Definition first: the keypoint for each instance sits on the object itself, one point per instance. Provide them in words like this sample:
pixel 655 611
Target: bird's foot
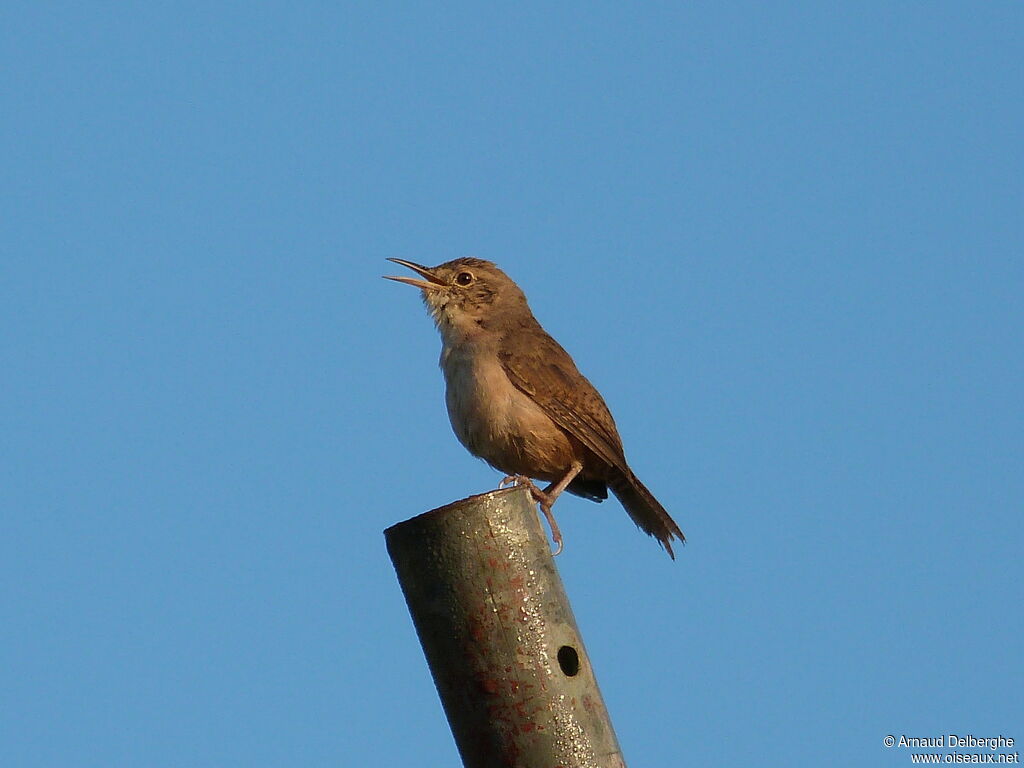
pixel 522 480
pixel 544 499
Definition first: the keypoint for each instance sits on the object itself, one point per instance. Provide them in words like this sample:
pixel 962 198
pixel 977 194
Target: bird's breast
pixel 496 421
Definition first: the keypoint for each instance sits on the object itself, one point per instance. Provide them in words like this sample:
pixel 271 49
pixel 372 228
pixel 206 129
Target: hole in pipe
pixel 569 660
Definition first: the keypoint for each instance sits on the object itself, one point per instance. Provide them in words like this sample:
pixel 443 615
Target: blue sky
pixel 784 240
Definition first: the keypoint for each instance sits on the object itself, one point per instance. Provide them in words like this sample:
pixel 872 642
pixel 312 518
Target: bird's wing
pixel 538 366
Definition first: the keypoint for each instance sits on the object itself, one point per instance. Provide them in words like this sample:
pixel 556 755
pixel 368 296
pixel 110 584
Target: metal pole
pixel 499 636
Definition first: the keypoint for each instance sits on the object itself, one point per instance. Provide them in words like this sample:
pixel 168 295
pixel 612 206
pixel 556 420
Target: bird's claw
pixel 556 535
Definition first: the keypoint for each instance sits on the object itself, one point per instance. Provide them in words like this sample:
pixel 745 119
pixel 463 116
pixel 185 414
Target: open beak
pixel 432 283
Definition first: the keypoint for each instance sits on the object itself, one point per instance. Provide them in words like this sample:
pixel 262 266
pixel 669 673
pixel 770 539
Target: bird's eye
pixel 464 278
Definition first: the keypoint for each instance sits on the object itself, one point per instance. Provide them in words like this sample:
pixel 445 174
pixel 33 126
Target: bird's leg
pixel 547 497
pixel 538 496
pixel 547 501
pixel 554 490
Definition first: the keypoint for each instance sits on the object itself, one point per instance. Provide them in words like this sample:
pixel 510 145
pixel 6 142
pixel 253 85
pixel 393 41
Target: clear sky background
pixel 784 240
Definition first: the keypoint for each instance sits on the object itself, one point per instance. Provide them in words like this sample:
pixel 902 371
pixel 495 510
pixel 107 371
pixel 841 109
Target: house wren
pixel 516 399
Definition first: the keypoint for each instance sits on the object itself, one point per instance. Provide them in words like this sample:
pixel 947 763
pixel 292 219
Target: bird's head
pixel 465 295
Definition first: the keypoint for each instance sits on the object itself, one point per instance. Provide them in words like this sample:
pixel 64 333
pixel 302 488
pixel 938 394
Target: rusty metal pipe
pixel 499 636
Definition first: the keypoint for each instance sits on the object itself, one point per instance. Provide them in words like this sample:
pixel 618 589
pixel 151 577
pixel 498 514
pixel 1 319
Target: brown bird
pixel 516 400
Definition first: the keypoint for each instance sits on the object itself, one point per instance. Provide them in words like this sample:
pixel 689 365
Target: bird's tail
pixel 645 509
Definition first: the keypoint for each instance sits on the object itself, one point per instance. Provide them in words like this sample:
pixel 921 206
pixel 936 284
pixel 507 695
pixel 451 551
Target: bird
pixel 516 399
